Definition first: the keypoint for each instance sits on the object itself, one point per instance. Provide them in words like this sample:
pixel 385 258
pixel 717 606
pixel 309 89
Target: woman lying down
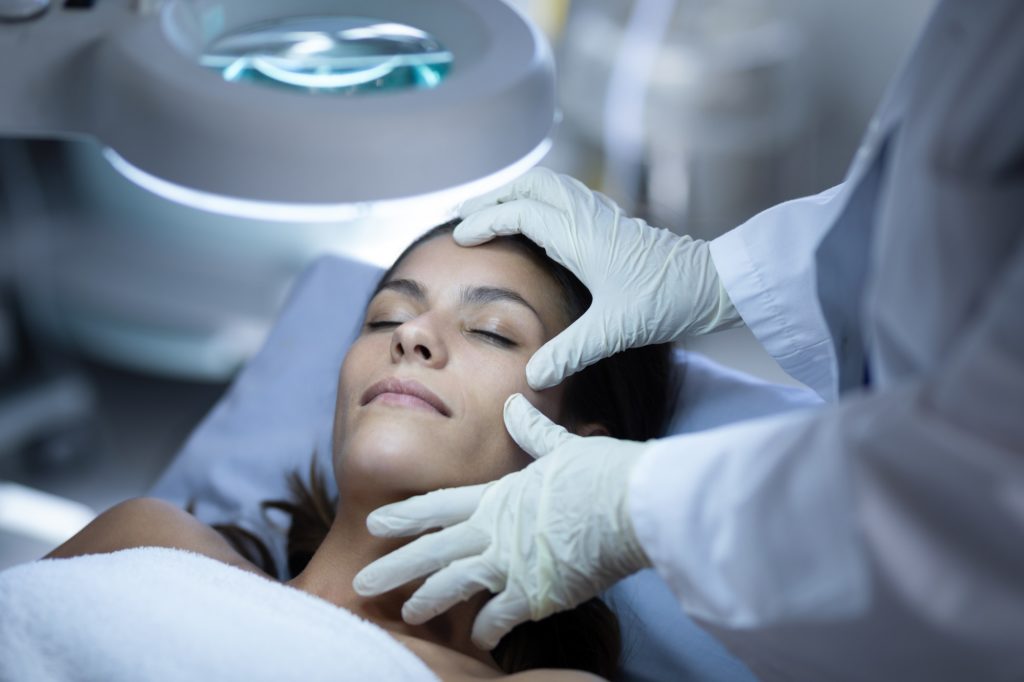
pixel 445 341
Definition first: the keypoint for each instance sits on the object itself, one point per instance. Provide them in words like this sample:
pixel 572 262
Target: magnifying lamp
pixel 295 110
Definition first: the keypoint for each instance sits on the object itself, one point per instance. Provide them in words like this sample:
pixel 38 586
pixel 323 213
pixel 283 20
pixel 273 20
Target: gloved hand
pixel 543 539
pixel 649 285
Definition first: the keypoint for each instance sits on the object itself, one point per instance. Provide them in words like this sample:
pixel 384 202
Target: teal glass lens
pixel 342 55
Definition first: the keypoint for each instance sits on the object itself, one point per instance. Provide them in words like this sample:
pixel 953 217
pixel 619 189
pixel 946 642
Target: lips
pixel 405 387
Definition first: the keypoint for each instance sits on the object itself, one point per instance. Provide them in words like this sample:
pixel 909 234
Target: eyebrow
pixel 485 295
pixel 481 295
pixel 406 287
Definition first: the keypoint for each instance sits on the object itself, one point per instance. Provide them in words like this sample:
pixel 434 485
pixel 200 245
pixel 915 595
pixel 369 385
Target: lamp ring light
pixel 306 110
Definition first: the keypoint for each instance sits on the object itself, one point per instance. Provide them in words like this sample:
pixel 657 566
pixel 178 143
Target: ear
pixel 591 429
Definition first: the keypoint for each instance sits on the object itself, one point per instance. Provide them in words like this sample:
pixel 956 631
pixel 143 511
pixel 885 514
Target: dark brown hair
pixel 632 394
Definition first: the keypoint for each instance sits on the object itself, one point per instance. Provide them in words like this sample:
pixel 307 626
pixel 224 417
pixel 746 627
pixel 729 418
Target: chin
pixel 380 455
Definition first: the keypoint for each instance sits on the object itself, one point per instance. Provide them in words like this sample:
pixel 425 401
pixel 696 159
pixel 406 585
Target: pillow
pixel 279 411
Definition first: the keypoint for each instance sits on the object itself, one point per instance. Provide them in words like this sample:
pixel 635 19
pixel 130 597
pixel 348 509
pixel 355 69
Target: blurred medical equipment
pixel 704 108
pixel 279 411
pixel 45 405
pixel 50 518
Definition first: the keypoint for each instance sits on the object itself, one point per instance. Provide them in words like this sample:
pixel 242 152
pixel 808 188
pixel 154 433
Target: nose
pixel 416 341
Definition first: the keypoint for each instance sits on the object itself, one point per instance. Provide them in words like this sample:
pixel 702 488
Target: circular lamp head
pixel 323 109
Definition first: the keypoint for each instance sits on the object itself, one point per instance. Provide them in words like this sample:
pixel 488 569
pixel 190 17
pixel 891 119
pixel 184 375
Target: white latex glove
pixel 649 285
pixel 543 539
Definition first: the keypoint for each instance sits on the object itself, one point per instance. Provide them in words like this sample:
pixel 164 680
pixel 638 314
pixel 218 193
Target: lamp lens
pixel 327 54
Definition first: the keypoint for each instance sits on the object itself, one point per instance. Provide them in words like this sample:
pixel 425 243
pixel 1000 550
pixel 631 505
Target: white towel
pixel 164 614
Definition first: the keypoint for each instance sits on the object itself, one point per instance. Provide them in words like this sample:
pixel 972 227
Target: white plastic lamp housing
pixel 133 80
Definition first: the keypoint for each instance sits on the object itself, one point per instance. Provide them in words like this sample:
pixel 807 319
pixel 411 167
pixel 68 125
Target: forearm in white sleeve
pixel 766 266
pixel 775 520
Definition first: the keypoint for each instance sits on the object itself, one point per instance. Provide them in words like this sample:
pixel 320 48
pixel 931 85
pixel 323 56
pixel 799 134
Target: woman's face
pixel 443 344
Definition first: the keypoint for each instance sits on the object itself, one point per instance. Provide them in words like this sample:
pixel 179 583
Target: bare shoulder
pixel 555 675
pixel 149 522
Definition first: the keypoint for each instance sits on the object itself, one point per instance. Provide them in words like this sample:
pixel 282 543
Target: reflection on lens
pixel 343 55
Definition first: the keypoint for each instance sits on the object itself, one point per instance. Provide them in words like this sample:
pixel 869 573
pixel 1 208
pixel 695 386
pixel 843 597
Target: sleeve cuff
pixel 767 267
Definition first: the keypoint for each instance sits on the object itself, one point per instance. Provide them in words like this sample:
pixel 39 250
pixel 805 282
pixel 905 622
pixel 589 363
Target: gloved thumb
pixel 437 509
pixel 579 345
pixel 530 429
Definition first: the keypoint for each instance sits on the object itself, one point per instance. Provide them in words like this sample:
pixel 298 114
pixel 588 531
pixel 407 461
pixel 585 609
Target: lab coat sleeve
pixel 767 267
pixel 920 485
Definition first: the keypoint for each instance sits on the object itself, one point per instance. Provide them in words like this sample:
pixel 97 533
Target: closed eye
pixel 491 337
pixel 382 324
pixel 495 338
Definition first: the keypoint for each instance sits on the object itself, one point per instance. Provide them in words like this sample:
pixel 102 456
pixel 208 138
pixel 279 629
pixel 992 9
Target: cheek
pixel 492 388
pixel 509 377
pixel 355 369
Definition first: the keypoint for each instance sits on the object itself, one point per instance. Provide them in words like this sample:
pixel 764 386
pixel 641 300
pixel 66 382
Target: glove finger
pixel 486 200
pixel 530 429
pixel 498 617
pixel 579 345
pixel 456 583
pixel 536 183
pixel 420 557
pixel 437 509
pixel 532 218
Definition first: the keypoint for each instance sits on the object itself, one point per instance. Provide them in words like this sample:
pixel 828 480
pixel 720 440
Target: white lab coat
pixel 880 537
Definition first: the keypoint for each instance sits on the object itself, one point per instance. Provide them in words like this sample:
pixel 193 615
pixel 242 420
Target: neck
pixel 346 550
